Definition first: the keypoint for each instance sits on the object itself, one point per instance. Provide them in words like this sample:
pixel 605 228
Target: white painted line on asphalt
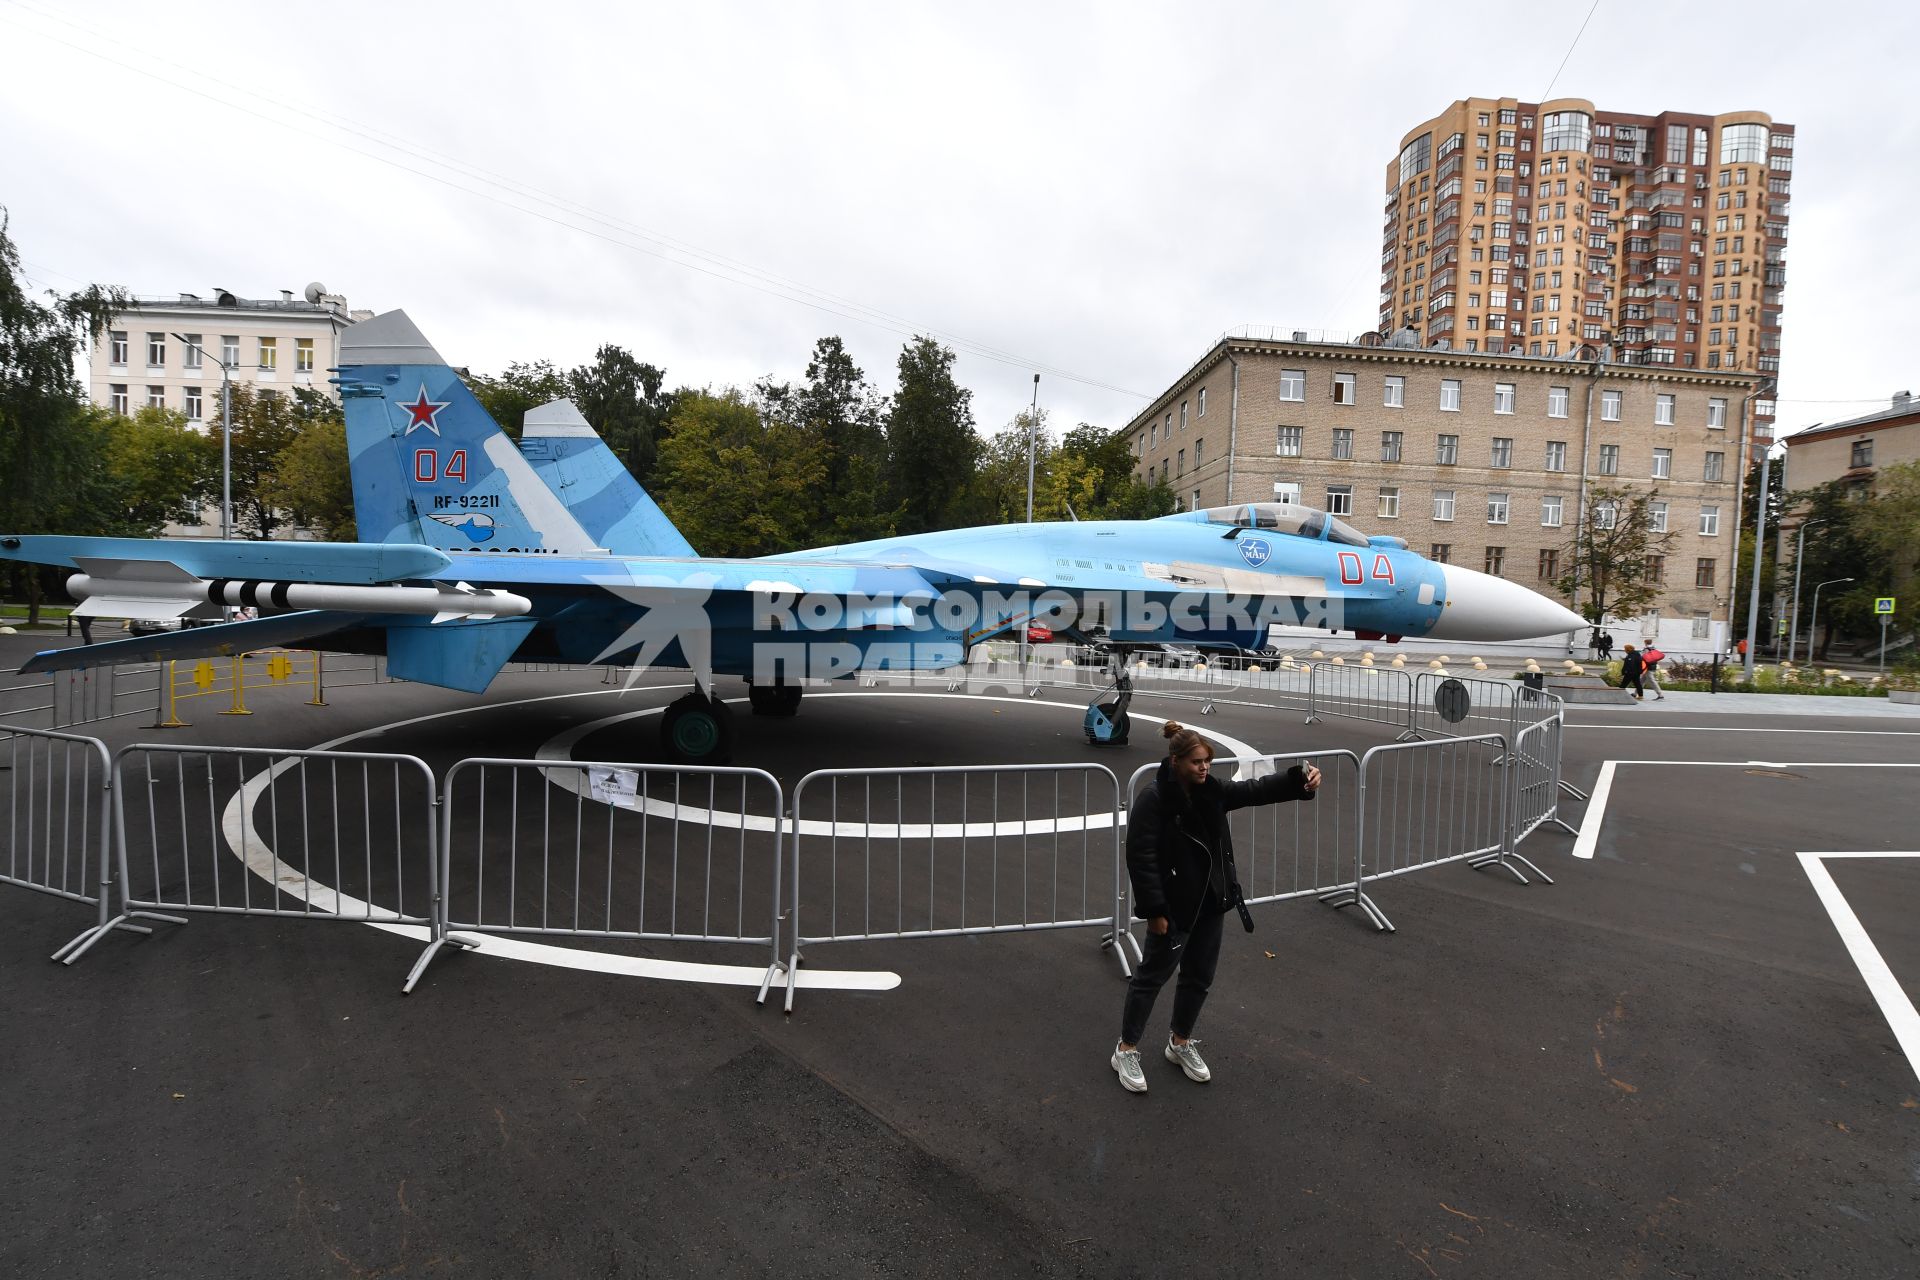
pixel 1596 807
pixel 1709 728
pixel 1589 837
pixel 1886 989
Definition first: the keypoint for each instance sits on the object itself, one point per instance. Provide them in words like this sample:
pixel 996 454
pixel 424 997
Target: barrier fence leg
pixel 1357 895
pixel 239 707
pixel 440 871
pixel 167 713
pixel 774 963
pixel 112 855
pixel 319 680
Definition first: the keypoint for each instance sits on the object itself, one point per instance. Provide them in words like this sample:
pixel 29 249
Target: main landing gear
pixel 697 729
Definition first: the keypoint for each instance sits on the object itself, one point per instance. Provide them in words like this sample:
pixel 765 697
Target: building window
pixel 117 398
pixel 1609 459
pixel 1663 411
pixel 156 351
pixel 1603 514
pixel 1743 144
pixel 1443 504
pixel 269 354
pixel 1339 499
pixel 1180 464
pixel 1502 452
pixel 1662 464
pixel 1496 560
pixel 1556 455
pixel 1287 491
pixel 156 397
pixel 1656 569
pixel 1199 447
pixel 1496 508
pixel 1343 444
pixel 1551 508
pixel 1395 395
pixel 1195 506
pixel 308 343
pixel 1153 435
pixel 1717 412
pixel 1657 517
pixel 192 404
pixel 1862 453
pixel 1556 402
pixel 1709 522
pixel 1609 406
pixel 1289 444
pixel 230 350
pixel 117 346
pixel 1442 553
pixel 1390 446
pixel 1450 394
pixel 1293 384
pixel 303 363
pixel 1446 450
pixel 1343 388
pixel 1390 503
pixel 1703 571
pixel 1503 397
pixel 1702 625
pixel 191 357
pixel 1200 410
pixel 1715 469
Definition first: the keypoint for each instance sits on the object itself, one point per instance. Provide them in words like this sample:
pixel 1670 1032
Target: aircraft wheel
pixel 697 730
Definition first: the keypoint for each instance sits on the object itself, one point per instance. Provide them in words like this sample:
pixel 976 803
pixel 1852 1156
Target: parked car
pixel 1037 634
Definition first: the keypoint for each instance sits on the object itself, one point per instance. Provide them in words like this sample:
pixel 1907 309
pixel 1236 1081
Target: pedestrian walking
pixel 1652 658
pixel 1606 646
pixel 1180 859
pixel 1632 665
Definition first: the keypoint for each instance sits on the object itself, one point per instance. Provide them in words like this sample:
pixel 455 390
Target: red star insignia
pixel 422 411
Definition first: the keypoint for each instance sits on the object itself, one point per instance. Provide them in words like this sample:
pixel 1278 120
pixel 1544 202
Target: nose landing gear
pixel 1106 722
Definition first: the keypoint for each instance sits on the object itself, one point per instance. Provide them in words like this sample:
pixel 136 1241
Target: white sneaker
pixel 1126 1062
pixel 1187 1058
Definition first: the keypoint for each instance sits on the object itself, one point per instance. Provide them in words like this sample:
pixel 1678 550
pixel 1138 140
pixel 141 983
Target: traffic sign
pixel 1883 604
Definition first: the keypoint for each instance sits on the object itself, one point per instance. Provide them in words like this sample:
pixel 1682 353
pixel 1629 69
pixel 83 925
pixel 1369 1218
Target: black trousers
pixel 1194 954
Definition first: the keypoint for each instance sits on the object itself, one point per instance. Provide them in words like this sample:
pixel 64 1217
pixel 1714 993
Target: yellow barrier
pixel 271 668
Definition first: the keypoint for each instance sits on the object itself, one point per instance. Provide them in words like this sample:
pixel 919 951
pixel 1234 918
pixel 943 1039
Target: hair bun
pixel 1171 728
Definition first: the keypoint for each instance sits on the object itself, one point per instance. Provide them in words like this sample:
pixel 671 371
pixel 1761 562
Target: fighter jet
pixel 475 553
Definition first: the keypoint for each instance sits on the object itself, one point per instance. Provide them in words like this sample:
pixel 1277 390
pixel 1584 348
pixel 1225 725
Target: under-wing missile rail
pixel 159 590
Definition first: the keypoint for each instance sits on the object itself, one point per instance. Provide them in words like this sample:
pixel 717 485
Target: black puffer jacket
pixel 1179 845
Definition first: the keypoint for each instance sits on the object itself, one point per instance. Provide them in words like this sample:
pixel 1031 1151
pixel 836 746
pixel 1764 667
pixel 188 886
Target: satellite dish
pixel 315 291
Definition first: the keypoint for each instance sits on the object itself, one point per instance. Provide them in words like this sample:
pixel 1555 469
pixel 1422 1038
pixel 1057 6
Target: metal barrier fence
pixel 67 699
pixel 1427 803
pixel 1282 851
pixel 622 851
pixel 1380 695
pixel 861 870
pixel 347 835
pixel 1534 775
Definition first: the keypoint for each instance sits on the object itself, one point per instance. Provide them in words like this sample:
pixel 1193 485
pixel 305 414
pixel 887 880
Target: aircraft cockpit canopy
pixel 1288 518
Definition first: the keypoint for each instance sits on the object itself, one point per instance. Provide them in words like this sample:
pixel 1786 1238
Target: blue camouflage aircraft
pixel 475 552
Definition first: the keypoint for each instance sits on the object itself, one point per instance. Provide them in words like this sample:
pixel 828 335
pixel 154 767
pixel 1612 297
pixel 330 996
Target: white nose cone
pixel 1482 607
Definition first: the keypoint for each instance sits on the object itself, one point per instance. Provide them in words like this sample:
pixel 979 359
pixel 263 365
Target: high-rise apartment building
pixel 1554 229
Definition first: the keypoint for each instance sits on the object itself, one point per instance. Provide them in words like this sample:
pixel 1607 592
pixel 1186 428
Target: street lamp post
pixel 226 440
pixel 1033 425
pixel 1799 556
pixel 1814 621
pixel 1759 557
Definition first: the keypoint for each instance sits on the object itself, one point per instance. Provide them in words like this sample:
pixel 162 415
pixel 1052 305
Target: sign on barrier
pixel 335 835
pixel 591 849
pixel 1283 851
pixel 942 852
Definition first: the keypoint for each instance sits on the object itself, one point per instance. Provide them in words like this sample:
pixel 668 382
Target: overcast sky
pixel 1093 192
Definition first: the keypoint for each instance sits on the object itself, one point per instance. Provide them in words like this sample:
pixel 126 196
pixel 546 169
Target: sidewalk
pixel 1757 704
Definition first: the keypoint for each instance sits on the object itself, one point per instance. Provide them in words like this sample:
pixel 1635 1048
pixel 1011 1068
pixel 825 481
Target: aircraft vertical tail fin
pixel 429 464
pixel 575 463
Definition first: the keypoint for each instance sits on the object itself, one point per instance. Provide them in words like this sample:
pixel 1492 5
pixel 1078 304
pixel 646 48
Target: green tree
pixel 1608 555
pixel 1889 524
pixel 932 446
pixel 311 478
pixel 264 424
pixel 737 483
pixel 1118 494
pixel 1837 546
pixel 837 407
pixel 621 398
pixel 522 387
pixel 160 471
pixel 44 459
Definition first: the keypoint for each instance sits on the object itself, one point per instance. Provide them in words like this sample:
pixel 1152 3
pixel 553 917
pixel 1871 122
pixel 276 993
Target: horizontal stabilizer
pixel 359 563
pixel 222 641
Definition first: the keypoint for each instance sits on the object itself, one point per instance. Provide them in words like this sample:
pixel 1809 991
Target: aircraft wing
pixel 222 641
